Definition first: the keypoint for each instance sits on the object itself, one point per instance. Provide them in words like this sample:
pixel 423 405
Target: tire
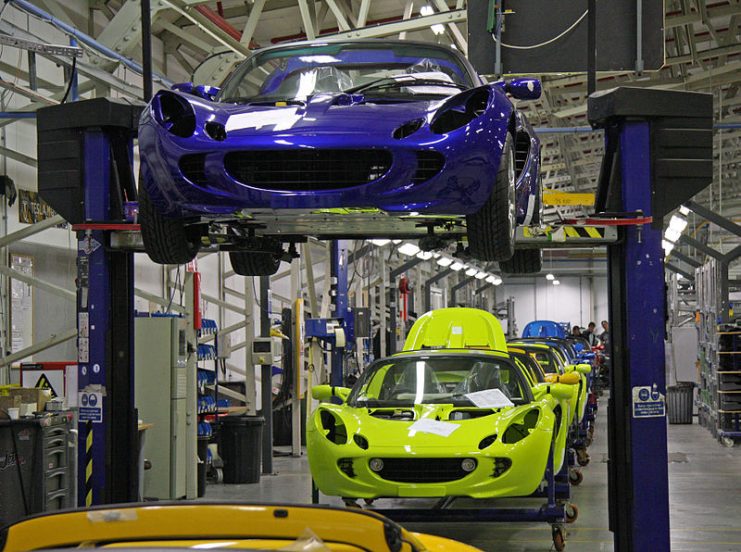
pixel 166 240
pixel 524 261
pixel 249 263
pixel 491 230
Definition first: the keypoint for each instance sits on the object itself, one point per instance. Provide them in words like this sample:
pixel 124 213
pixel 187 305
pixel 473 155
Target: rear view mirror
pixel 562 391
pixel 524 88
pixel 326 392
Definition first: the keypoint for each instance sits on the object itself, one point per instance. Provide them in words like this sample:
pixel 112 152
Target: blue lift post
pixel 338 261
pixel 658 154
pixel 86 174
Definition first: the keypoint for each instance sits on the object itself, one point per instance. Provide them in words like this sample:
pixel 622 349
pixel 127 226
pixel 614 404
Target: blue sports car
pixel 347 139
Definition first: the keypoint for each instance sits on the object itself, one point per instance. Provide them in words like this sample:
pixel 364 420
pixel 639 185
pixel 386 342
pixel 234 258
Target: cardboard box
pixel 32 396
pixel 8 402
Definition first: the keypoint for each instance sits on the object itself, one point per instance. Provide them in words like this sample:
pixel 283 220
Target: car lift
pixel 658 154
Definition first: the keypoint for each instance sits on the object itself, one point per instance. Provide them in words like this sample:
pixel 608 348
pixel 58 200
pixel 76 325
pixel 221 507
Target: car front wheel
pixel 491 230
pixel 254 263
pixel 166 240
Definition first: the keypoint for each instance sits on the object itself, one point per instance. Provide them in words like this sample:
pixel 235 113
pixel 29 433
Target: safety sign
pixel 91 407
pixel 648 402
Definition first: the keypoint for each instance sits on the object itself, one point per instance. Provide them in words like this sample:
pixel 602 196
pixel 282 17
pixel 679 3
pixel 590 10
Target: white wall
pixel 577 300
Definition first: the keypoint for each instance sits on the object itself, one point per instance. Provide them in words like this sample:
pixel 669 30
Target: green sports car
pixel 434 423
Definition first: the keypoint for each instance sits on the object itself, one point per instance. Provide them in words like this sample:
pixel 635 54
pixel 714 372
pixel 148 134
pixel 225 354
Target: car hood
pixel 397 433
pixel 321 114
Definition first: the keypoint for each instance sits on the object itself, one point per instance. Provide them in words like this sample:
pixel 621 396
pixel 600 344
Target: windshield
pixel 378 70
pixel 411 380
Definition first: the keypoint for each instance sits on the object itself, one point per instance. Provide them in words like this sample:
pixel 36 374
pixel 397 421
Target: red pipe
pixel 219 21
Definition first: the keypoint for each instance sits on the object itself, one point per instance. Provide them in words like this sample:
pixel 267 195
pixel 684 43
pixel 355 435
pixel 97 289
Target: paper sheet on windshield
pixel 425 425
pixel 489 398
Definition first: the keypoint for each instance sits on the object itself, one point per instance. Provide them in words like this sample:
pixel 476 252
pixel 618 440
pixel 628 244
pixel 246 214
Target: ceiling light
pixel 396 242
pixel 480 275
pixel 497 280
pixel 678 223
pixel 672 234
pixel 380 243
pixel 491 278
pixel 424 255
pixel 550 277
pixel 471 271
pixel 668 246
pixel 456 266
pixel 684 210
pixel 408 249
pixel 438 29
pixel 426 10
pixel 445 261
pixel 556 283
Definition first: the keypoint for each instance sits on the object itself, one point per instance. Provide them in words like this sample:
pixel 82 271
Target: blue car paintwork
pixel 337 121
pixel 544 328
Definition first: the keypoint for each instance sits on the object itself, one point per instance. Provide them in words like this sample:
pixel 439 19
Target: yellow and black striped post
pixel 89 464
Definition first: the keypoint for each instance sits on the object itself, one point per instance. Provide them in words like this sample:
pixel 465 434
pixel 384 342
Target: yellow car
pixel 221 526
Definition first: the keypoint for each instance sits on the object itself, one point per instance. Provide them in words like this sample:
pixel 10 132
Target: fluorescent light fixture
pixel 424 255
pixel 427 10
pixel 497 280
pixel 445 261
pixel 438 29
pixel 684 210
pixel 556 283
pixel 380 243
pixel 678 223
pixel 456 266
pixel 668 246
pixel 672 234
pixel 396 242
pixel 491 278
pixel 480 275
pixel 471 271
pixel 408 249
pixel 550 277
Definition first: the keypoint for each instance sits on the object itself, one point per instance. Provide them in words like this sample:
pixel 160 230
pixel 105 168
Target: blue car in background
pixel 346 139
pixel 545 328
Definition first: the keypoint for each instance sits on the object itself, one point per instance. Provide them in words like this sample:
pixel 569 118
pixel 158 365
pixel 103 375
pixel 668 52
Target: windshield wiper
pixel 405 80
pixel 257 100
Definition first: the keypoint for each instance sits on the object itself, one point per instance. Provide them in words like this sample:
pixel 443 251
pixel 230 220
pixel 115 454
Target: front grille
pixel 309 169
pixel 422 470
pixel 194 168
pixel 429 163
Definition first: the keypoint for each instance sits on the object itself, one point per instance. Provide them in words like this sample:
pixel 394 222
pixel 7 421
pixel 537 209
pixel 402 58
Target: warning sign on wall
pixel 648 402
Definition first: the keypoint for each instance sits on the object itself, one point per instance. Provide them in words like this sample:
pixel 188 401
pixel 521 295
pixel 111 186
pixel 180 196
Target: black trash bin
pixel 679 402
pixel 241 448
pixel 202 464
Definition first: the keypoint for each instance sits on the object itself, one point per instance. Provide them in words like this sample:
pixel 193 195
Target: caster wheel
pixel 571 512
pixel 575 477
pixel 727 442
pixel 351 503
pixel 369 501
pixel 582 457
pixel 559 539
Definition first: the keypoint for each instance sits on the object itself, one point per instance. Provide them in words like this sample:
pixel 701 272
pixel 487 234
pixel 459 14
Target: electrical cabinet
pixel 161 398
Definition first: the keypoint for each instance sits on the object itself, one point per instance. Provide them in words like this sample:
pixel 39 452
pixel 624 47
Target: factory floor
pixel 704 486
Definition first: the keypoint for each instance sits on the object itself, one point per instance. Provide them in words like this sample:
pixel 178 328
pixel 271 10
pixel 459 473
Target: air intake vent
pixel 307 170
pixel 429 163
pixel 194 168
pixel 422 470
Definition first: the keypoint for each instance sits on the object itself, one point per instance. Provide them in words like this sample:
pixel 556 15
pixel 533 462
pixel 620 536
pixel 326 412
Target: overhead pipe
pixel 27 7
pixel 219 21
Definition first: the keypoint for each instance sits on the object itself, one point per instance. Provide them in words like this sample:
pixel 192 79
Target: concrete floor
pixel 705 498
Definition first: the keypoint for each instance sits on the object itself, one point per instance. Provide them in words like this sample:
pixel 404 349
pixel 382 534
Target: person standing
pixel 604 337
pixel 589 334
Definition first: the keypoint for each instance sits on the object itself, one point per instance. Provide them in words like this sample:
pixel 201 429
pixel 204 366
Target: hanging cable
pixel 72 76
pixel 550 41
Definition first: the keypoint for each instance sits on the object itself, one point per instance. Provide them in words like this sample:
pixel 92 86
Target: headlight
pixel 468 465
pixel 375 464
pixel 408 128
pixel 518 430
pixel 174 113
pixel 332 424
pixel 460 110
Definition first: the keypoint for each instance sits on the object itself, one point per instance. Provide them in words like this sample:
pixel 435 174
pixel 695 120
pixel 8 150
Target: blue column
pixel 644 304
pixel 94 316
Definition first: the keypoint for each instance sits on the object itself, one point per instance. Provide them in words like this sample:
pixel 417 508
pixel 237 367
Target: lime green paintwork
pixel 456 328
pixel 393 439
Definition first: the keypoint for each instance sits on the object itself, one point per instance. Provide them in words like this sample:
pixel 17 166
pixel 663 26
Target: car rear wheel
pixel 166 240
pixel 524 261
pixel 250 263
pixel 491 230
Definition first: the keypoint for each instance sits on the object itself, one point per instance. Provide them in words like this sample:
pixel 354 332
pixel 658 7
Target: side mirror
pixel 562 391
pixel 569 378
pixel 326 392
pixel 584 368
pixel 202 90
pixel 524 88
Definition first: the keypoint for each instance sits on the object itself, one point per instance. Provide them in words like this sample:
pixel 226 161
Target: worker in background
pixel 590 335
pixel 604 337
pixel 576 331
